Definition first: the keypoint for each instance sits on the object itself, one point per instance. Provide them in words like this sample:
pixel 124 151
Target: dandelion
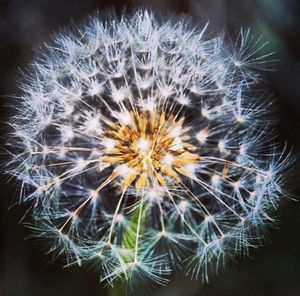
pixel 143 147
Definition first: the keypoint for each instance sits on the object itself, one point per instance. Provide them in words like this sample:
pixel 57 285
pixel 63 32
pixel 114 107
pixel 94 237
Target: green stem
pixel 135 230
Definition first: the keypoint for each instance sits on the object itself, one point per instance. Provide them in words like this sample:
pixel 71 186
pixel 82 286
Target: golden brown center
pixel 152 147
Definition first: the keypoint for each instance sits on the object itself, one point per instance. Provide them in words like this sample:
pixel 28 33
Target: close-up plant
pixel 144 146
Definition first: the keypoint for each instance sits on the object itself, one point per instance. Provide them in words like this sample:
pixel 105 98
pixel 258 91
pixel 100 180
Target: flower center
pixel 151 149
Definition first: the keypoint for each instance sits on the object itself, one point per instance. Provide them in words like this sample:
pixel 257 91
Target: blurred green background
pixel 274 269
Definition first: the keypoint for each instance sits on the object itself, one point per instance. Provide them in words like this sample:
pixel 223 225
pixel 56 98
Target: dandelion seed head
pixel 183 205
pixel 142 149
pixel 215 180
pixel 202 136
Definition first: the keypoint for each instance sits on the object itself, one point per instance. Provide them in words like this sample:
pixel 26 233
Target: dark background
pixel 274 269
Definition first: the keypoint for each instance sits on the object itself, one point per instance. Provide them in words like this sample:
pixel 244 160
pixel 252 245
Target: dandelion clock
pixel 143 147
